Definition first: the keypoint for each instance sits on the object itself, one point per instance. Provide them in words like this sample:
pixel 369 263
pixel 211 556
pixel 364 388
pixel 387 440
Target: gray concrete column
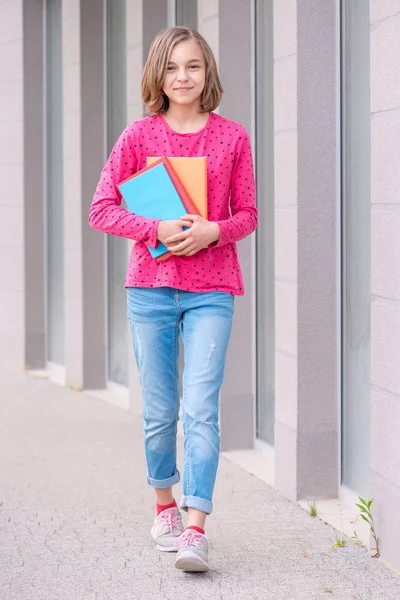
pixel 84 126
pixel 12 217
pixel 307 404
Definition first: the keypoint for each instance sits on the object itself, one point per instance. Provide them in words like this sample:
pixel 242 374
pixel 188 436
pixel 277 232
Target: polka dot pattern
pixel 231 203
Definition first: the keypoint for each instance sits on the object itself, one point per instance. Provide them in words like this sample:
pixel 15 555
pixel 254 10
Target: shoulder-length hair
pixel 156 68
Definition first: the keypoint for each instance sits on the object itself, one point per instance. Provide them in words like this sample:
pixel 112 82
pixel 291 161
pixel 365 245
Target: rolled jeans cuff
pixel 162 484
pixel 197 503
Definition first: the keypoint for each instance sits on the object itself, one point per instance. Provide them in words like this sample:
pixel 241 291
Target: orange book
pixel 193 174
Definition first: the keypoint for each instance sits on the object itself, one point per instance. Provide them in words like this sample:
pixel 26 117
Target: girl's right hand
pixel 167 229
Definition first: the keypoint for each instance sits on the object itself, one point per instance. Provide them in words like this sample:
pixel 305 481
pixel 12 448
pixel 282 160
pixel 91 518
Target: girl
pixel 193 291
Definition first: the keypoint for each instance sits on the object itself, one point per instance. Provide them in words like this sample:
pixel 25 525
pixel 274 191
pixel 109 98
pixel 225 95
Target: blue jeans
pixel 156 317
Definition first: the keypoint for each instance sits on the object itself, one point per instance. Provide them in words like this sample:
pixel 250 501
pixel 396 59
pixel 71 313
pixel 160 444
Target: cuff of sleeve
pixel 222 234
pixel 153 242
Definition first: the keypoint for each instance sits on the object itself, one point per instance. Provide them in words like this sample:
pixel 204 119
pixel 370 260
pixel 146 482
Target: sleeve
pixel 244 215
pixel 106 213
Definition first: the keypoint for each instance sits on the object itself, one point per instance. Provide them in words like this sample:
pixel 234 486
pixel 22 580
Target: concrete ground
pixel 75 516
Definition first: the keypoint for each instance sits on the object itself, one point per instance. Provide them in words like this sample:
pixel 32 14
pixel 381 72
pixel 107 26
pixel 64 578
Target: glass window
pixel 182 12
pixel 117 248
pixel 264 138
pixel 186 13
pixel 356 298
pixel 171 13
pixel 54 173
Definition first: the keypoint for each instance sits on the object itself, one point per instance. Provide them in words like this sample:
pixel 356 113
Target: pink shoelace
pixel 172 520
pixel 190 537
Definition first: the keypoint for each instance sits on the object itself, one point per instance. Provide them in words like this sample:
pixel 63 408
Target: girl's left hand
pixel 200 234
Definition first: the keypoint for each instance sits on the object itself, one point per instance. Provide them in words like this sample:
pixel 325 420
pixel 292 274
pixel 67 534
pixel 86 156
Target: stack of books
pixel 166 189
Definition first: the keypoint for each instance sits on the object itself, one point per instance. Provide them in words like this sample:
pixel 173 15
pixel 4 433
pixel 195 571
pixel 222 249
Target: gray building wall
pixel 385 276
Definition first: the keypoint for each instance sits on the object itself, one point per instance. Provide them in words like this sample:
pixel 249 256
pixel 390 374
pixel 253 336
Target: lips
pixel 183 89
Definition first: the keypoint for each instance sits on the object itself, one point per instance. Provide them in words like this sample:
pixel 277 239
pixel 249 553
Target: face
pixel 186 72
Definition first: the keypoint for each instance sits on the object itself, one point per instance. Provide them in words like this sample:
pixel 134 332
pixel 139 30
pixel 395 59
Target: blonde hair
pixel 156 68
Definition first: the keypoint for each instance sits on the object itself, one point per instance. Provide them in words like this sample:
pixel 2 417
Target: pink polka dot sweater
pixel 231 203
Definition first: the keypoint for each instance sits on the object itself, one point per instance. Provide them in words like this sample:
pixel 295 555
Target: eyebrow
pixel 192 60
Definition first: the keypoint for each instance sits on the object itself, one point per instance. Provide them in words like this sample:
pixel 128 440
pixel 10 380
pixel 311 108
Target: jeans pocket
pixel 140 299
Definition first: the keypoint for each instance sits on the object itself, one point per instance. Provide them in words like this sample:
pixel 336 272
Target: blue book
pixel 156 192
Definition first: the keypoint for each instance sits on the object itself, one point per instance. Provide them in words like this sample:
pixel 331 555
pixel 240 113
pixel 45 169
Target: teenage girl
pixel 193 291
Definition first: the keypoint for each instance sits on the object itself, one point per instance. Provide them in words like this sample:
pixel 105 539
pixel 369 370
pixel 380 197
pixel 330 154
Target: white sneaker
pixel 192 551
pixel 167 528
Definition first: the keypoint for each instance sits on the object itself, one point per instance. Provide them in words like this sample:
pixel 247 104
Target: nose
pixel 182 74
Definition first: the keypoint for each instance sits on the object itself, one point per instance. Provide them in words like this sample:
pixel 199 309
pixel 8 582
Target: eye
pixel 194 67
pixel 170 68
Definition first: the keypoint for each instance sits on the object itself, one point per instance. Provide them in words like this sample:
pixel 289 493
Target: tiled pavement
pixel 76 512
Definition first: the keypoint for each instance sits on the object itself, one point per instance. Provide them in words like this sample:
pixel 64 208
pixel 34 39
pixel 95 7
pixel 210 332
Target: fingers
pixel 178 237
pixel 183 222
pixel 192 218
pixel 186 247
pixel 190 251
pixel 182 247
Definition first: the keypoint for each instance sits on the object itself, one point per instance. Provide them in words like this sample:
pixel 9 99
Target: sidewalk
pixel 75 517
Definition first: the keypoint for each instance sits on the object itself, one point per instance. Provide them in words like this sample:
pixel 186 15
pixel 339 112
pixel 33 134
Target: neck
pixel 186 118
